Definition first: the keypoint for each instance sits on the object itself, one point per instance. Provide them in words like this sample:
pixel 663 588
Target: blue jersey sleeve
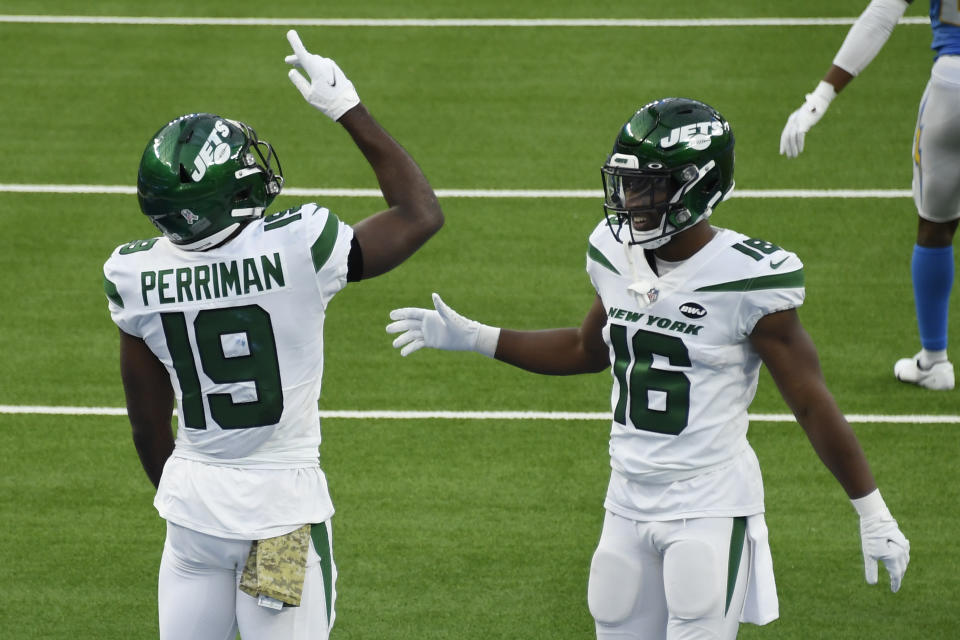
pixel 945 22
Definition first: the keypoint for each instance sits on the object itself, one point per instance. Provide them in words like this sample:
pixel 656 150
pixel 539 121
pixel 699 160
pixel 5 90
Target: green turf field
pixel 462 529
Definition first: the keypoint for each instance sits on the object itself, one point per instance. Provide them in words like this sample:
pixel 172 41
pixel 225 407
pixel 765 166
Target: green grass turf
pixel 491 108
pixel 460 529
pixel 463 529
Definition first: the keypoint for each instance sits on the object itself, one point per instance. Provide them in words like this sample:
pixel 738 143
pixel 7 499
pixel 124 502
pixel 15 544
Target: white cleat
pixel 938 377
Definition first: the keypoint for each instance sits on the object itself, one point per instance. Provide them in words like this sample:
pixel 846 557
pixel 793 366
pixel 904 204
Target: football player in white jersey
pixel 685 313
pixel 936 168
pixel 222 316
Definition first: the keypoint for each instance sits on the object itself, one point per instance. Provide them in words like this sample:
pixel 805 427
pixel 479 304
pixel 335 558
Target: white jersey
pixel 239 329
pixel 684 372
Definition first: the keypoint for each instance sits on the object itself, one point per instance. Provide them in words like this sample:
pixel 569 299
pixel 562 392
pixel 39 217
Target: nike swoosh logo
pixel 776 265
pixel 334 83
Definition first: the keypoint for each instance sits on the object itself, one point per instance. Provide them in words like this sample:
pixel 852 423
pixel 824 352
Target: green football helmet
pixel 671 164
pixel 201 176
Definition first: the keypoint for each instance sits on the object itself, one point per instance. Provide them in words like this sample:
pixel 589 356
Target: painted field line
pixel 486 415
pixel 445 22
pixel 591 194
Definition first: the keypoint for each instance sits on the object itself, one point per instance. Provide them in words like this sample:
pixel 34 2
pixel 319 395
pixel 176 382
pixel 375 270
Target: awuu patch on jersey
pixel 697 135
pixel 692 310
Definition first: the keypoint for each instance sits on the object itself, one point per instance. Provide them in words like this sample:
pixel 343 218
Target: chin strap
pixel 248 212
pixel 211 240
pixel 658 236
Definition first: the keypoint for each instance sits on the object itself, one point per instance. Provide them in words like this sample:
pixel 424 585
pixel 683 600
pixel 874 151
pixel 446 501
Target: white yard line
pixel 486 415
pixel 444 22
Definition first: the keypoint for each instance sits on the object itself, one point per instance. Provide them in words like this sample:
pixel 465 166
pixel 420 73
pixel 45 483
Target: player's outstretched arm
pixel 863 42
pixel 790 356
pixel 551 351
pixel 149 404
pixel 413 215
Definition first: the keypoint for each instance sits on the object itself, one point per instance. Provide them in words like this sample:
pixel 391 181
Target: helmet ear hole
pixel 184 176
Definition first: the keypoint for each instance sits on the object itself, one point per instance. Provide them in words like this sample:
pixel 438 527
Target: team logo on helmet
pixel 698 135
pixel 214 151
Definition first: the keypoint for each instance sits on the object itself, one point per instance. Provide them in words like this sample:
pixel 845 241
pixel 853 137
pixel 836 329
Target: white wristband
pixel 870 505
pixel 825 91
pixel 487 339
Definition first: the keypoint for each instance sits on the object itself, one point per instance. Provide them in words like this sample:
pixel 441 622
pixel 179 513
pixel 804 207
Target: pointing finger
pixel 294 39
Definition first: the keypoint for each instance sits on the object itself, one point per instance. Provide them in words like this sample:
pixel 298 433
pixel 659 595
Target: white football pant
pixel 199 595
pixel 936 148
pixel 674 580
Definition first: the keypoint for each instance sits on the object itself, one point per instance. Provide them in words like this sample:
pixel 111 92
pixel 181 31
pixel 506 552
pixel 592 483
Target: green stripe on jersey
pixel 323 246
pixel 111 290
pixel 790 280
pixel 281 221
pixel 737 536
pixel 321 544
pixel 594 254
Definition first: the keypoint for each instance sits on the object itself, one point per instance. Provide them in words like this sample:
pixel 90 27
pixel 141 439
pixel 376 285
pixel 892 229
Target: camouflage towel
pixel 277 566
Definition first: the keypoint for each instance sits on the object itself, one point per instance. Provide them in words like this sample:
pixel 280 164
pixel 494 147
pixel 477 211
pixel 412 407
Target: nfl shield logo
pixel 189 216
pixel 645 292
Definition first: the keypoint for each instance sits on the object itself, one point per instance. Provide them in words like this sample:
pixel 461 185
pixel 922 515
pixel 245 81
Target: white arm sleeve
pixel 868 34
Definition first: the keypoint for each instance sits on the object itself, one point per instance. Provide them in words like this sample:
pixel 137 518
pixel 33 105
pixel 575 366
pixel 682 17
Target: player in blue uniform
pixel 936 168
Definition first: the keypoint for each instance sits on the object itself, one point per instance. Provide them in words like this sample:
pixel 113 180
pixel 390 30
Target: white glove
pixel 881 540
pixel 441 329
pixel 328 89
pixel 803 119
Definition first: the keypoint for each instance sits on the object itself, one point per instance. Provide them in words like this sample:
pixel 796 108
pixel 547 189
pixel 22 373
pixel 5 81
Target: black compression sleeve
pixel 354 261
